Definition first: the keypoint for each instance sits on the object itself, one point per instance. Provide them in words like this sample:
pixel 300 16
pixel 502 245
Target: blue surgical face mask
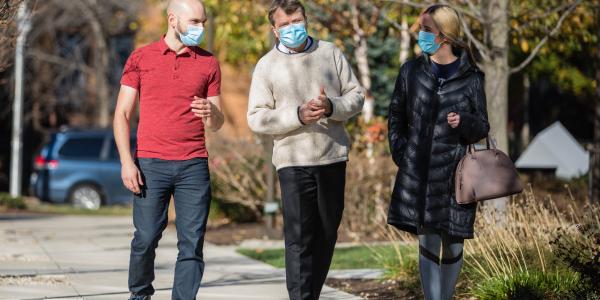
pixel 193 36
pixel 427 42
pixel 293 36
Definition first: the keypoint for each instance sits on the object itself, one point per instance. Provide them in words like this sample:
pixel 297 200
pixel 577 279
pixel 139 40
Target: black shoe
pixel 139 297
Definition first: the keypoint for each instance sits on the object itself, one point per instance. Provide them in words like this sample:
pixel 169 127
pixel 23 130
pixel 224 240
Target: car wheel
pixel 86 197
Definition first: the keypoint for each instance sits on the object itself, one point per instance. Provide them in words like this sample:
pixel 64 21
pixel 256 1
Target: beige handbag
pixel 484 175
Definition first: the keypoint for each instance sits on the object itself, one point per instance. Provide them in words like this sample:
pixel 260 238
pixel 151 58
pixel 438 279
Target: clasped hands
pixel 315 109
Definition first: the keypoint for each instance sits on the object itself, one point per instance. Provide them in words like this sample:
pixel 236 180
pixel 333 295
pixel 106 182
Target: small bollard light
pixel 270 209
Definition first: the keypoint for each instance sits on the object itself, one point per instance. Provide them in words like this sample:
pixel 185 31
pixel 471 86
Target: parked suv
pixel 80 167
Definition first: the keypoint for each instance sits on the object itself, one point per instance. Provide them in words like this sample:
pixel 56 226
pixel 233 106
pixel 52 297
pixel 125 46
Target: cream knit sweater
pixel 282 82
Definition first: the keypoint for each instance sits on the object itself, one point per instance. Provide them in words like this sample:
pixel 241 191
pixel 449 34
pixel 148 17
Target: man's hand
pixel 310 113
pixel 202 108
pixel 132 177
pixel 316 109
pixel 325 102
pixel 322 102
pixel 453 119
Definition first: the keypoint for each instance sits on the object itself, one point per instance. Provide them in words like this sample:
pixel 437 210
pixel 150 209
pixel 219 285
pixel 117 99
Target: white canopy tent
pixel 555 148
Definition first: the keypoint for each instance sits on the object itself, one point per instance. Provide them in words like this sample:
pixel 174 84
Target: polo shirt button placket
pixel 175 68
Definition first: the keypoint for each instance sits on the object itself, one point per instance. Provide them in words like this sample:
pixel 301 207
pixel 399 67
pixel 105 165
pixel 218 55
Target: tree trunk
pixel 404 41
pixel 525 131
pixel 595 171
pixel 102 89
pixel 497 73
pixel 101 61
pixel 364 71
pixel 361 51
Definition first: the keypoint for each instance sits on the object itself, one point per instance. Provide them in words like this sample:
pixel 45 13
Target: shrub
pixel 239 175
pixel 239 171
pixel 369 180
pixel 7 201
pixel 527 285
pixel 579 248
pixel 516 257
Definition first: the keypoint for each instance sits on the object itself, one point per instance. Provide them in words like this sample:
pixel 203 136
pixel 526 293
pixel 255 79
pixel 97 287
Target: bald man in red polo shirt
pixel 178 85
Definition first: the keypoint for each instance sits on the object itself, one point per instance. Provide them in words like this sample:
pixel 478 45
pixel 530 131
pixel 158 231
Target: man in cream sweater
pixel 302 93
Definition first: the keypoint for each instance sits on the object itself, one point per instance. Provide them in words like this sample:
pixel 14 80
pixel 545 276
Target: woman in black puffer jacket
pixel 437 109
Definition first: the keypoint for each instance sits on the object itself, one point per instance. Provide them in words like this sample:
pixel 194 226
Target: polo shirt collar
pixel 164 48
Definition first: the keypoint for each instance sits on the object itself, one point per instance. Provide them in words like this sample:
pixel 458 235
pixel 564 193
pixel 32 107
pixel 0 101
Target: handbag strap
pixel 489 143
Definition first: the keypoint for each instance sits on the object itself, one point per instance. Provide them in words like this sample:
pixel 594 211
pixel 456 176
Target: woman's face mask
pixel 427 42
pixel 293 35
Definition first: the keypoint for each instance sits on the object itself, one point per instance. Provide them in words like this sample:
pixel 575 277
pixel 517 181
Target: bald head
pixel 184 12
pixel 183 6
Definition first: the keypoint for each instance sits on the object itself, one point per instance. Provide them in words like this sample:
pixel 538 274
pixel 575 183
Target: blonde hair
pixel 448 22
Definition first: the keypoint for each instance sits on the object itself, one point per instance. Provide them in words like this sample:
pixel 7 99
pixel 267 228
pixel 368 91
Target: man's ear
pixel 275 32
pixel 171 20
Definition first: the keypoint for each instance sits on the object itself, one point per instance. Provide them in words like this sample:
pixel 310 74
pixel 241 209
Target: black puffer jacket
pixel 427 150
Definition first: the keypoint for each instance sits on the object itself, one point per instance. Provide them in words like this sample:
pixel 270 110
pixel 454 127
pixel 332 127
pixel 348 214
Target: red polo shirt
pixel 167 84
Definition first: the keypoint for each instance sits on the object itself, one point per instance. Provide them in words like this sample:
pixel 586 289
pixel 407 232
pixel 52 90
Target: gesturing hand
pixel 202 108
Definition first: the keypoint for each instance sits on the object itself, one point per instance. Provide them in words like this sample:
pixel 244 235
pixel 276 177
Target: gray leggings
pixel 439 276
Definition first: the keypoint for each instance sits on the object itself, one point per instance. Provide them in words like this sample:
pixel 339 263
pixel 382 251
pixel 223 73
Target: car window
pixel 84 147
pixel 114 152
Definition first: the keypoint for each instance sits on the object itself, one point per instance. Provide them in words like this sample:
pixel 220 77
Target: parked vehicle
pixel 80 167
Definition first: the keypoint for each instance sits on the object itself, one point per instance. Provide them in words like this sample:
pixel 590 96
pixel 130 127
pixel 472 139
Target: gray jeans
pixel 189 183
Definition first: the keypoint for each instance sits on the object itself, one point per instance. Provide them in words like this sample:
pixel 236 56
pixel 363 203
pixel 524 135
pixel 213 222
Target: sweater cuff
pixel 337 109
pixel 298 115
pixel 332 108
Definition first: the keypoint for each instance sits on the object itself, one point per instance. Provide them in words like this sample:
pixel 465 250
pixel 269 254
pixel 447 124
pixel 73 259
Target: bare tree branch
pixel 467 12
pixel 410 3
pixel 481 48
pixel 66 64
pixel 472 7
pixel 393 22
pixel 8 31
pixel 547 13
pixel 544 40
pixel 69 51
pixel 484 51
pixel 474 14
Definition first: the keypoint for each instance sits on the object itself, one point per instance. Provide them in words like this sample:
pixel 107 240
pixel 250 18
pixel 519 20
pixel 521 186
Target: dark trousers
pixel 313 203
pixel 189 183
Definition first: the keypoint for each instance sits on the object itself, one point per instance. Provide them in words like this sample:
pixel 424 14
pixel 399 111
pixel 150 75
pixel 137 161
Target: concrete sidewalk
pixel 72 257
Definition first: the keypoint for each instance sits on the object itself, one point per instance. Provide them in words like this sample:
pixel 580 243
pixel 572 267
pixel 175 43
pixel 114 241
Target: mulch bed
pixel 235 233
pixel 373 289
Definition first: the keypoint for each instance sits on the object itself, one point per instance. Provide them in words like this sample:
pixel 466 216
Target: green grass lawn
pixel 359 257
pixel 33 205
pixel 66 209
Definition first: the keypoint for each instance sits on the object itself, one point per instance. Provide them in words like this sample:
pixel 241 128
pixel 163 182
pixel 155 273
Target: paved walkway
pixel 72 257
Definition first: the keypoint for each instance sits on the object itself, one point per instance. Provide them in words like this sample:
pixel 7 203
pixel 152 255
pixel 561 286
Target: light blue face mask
pixel 427 42
pixel 193 36
pixel 293 36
